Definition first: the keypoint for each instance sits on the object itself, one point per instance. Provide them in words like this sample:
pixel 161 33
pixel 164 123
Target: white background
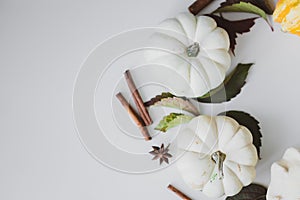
pixel 42 46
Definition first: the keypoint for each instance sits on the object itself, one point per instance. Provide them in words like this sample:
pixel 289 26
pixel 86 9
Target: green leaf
pixel 244 7
pixel 230 88
pixel 250 192
pixel 266 5
pixel 172 120
pixel 251 123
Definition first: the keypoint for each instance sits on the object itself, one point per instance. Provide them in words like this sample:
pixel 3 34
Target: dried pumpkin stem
pixel 193 50
pixel 218 157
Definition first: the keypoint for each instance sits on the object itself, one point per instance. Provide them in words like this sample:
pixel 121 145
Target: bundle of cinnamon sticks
pixel 142 117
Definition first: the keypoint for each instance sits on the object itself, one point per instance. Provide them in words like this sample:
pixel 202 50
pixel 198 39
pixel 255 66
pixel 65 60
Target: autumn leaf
pixel 251 123
pixel 169 100
pixel 172 120
pixel 234 27
pixel 267 6
pixel 158 98
pixel 230 87
pixel 250 192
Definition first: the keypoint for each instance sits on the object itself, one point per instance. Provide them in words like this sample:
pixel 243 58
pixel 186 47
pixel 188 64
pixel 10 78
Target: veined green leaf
pixel 230 88
pixel 266 5
pixel 244 7
pixel 172 120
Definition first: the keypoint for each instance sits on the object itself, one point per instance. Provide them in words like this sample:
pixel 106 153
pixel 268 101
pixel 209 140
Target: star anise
pixel 161 153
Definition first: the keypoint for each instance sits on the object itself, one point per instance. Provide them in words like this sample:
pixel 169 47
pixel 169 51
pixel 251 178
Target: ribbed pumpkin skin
pixel 205 135
pixel 287 13
pixel 285 176
pixel 202 72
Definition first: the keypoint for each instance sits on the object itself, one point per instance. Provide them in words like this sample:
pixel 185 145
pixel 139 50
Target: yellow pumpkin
pixel 287 13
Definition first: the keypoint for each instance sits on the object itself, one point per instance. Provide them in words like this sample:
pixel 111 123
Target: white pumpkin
pixel 285 177
pixel 218 155
pixel 196 48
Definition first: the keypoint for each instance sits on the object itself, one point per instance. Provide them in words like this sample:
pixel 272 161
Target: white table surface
pixel 42 46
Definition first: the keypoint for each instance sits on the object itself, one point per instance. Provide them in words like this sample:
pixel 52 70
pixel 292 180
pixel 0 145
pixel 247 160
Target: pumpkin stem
pixel 218 157
pixel 193 50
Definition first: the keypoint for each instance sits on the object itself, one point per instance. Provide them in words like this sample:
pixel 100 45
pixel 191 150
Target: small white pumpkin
pixel 196 48
pixel 285 177
pixel 218 155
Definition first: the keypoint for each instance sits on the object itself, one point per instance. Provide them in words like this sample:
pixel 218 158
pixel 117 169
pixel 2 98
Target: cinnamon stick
pixel 198 5
pixel 134 116
pixel 178 192
pixel 137 99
